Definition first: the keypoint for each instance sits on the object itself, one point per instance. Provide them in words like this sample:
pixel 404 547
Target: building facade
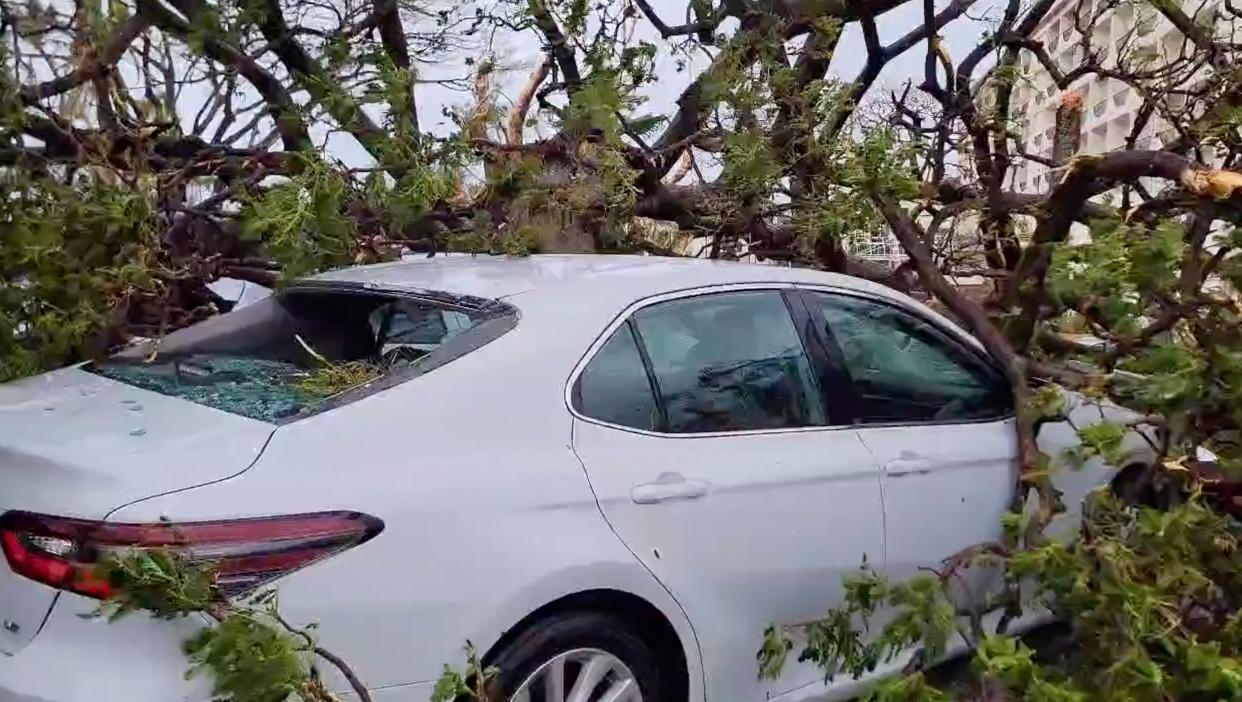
pixel 1133 30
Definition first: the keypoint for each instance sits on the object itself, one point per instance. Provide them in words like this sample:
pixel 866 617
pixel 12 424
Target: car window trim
pixel 977 357
pixel 626 314
pixel 837 394
pixel 653 383
pixel 471 304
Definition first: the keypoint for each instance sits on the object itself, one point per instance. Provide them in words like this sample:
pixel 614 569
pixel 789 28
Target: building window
pixel 1069 59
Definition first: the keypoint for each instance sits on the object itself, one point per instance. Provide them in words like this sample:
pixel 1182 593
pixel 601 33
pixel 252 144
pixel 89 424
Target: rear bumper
pixel 79 659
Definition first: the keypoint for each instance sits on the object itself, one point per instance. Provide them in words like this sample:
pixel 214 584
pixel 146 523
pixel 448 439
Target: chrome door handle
pixel 666 488
pixel 908 466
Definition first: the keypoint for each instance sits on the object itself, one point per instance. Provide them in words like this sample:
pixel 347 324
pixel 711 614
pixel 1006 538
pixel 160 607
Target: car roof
pixel 495 277
pixel 592 287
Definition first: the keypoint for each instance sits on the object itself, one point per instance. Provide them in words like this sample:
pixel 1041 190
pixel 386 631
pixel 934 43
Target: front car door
pixel 718 459
pixel 938 418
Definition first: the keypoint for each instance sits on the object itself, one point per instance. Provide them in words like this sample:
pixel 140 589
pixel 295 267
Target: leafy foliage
pixel 251 661
pixel 1151 597
pixel 843 641
pixel 303 220
pixel 75 260
pixel 250 653
pixel 473 683
pixel 157 582
pixel 329 378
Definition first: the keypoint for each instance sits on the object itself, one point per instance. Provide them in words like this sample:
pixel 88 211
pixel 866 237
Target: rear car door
pixel 719 461
pixel 938 418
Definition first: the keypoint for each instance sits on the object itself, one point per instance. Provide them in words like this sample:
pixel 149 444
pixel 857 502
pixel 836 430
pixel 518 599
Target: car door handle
pixel 666 488
pixel 908 466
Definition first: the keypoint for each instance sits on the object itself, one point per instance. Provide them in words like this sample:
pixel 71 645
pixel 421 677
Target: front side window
pixel 902 369
pixel 729 362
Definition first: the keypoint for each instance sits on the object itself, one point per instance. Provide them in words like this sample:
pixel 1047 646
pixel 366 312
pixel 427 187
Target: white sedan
pixel 609 473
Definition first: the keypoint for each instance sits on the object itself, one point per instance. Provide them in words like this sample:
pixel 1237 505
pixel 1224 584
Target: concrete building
pixel 1135 30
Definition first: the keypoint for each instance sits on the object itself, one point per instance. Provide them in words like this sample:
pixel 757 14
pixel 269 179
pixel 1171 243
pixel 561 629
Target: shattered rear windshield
pixel 281 357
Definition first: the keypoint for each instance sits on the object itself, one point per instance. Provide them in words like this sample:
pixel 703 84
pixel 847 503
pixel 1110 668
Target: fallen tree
pixel 150 148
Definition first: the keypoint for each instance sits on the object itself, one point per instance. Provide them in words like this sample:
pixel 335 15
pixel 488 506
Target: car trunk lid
pixel 76 444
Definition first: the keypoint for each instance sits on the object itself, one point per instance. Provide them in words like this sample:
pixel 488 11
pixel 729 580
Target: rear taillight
pixel 244 553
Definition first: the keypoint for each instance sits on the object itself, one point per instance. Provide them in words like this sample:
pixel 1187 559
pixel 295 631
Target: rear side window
pixel 303 351
pixel 711 363
pixel 903 369
pixel 614 386
pixel 729 362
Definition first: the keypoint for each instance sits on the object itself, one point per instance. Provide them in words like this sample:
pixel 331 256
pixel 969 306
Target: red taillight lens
pixel 245 553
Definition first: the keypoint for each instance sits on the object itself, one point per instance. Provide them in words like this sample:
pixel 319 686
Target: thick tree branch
pixel 558 45
pixel 392 35
pixel 1196 34
pixel 521 105
pixel 1086 176
pixel 93 66
pixel 699 27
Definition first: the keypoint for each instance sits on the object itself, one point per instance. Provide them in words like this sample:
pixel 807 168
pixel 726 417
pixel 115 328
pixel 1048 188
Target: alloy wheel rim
pixel 580 675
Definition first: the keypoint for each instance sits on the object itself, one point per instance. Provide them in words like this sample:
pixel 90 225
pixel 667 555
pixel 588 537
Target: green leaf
pixel 773 652
pixel 1105 440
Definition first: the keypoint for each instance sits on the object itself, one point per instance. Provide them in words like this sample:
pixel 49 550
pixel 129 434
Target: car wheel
pixel 577 657
pixel 1133 486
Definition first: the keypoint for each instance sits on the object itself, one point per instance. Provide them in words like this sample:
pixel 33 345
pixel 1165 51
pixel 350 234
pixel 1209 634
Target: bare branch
pixel 280 105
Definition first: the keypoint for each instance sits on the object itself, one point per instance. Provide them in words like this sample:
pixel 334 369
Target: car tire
pixel 1132 485
pixel 574 644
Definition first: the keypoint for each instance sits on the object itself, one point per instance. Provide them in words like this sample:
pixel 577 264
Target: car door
pixel 938 418
pixel 702 425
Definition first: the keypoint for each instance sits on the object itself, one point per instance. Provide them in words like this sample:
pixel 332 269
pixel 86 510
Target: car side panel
pixel 488 514
pixel 1076 484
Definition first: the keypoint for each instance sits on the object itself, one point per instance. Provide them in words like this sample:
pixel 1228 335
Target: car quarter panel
pixel 488 514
